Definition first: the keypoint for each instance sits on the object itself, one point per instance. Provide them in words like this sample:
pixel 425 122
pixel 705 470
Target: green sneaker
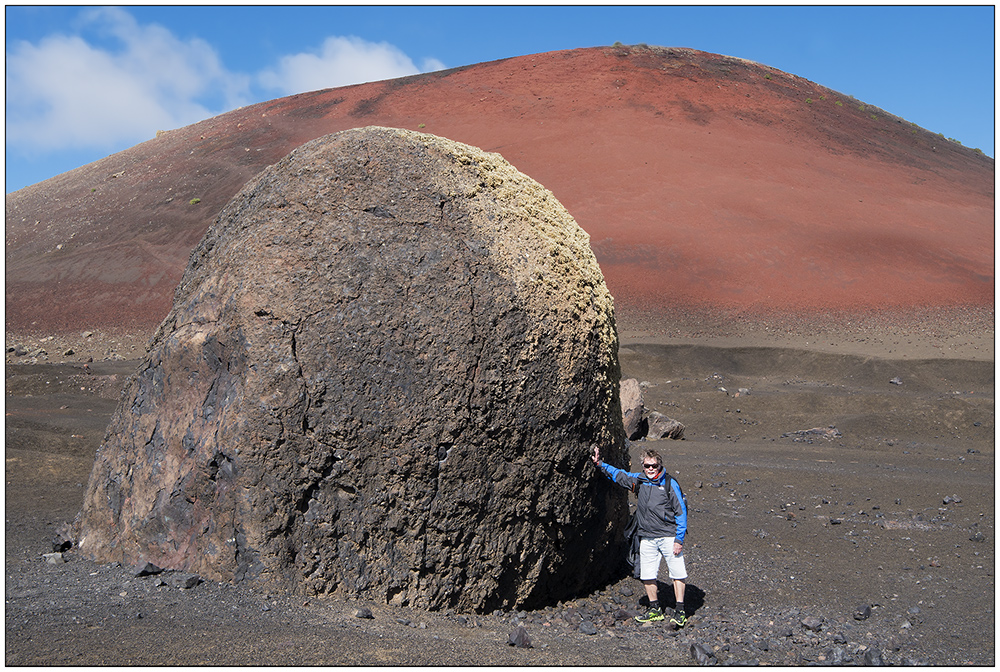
pixel 679 619
pixel 651 615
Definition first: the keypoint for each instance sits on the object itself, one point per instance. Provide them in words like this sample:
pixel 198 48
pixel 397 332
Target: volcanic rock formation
pixel 384 367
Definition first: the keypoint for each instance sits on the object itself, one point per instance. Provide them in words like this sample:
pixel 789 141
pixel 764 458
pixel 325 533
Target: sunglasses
pixel 650 466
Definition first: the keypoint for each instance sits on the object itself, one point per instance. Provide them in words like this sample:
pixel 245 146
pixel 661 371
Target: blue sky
pixel 85 82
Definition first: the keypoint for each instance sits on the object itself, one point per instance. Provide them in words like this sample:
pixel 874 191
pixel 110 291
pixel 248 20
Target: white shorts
pixel 650 552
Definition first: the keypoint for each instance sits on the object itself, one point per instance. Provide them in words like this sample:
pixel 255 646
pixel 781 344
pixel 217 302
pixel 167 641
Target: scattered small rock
pixel 587 628
pixel 61 545
pixel 863 612
pixel 910 661
pixel 621 614
pixel 519 638
pixel 873 657
pixel 184 581
pixel 146 569
pixel 63 539
pixel 363 612
pixel 896 381
pixel 812 623
pixel 54 558
pixel 702 654
pixel 836 656
pixel 952 499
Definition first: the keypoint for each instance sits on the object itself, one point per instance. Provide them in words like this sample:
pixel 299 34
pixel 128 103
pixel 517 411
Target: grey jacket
pixel 662 511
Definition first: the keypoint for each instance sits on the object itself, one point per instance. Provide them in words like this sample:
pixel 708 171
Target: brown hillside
pixel 704 181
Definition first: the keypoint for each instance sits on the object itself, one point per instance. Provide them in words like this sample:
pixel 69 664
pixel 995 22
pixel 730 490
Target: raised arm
pixel 620 476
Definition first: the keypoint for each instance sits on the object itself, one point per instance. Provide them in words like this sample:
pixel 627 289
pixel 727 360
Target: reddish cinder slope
pixel 704 181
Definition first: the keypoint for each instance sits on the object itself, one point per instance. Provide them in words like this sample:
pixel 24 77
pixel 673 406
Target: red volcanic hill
pixel 704 181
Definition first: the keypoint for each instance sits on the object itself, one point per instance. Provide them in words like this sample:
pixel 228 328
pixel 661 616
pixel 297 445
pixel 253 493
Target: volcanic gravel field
pixel 896 514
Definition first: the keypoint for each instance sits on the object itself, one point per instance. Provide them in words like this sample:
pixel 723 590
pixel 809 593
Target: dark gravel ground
pixel 874 546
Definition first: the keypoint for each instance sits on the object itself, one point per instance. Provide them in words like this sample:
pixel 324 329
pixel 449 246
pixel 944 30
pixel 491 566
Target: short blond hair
pixel 649 452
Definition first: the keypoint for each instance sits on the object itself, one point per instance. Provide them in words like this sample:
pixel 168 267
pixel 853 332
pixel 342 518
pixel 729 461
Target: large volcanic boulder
pixel 384 367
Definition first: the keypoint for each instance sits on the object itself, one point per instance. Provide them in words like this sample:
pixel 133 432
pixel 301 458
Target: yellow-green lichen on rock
pixel 542 246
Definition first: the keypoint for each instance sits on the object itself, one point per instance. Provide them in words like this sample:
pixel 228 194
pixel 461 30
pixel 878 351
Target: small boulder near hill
pixel 633 409
pixel 381 375
pixel 642 425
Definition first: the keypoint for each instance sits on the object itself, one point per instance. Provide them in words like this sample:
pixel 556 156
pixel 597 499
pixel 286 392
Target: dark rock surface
pixel 380 377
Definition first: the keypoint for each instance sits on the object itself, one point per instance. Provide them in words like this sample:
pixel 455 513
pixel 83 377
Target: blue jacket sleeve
pixel 620 476
pixel 680 514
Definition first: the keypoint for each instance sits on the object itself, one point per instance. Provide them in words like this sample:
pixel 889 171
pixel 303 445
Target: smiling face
pixel 651 464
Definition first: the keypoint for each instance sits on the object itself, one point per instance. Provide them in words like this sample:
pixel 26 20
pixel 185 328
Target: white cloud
pixel 341 61
pixel 432 65
pixel 117 82
pixel 64 92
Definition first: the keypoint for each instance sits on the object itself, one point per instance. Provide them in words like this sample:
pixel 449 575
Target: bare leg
pixel 650 589
pixel 679 586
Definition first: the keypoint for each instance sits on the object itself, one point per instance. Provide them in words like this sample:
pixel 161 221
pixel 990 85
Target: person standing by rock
pixel 662 524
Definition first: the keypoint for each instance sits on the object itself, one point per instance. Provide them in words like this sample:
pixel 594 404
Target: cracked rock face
pixel 383 370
